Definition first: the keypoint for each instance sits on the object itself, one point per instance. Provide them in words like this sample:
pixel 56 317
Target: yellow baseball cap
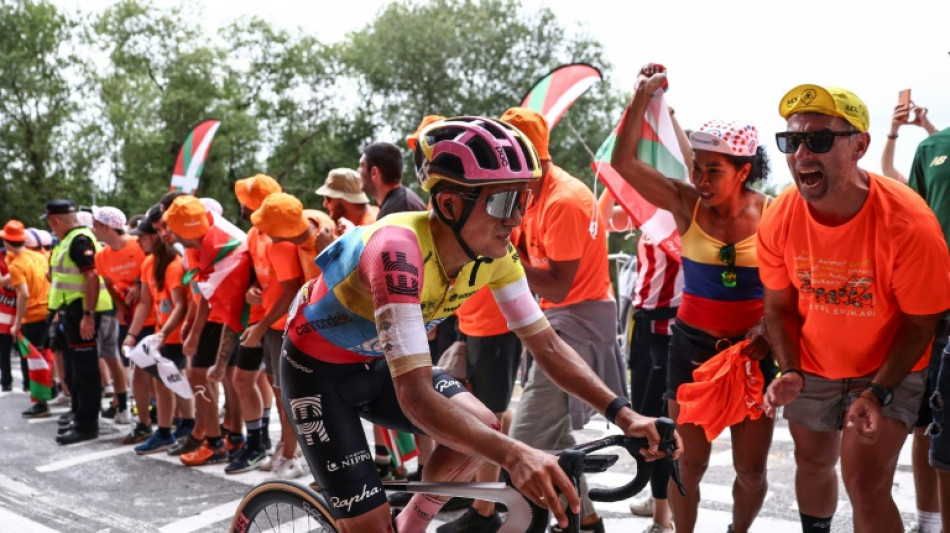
pixel 281 216
pixel 833 101
pixel 252 191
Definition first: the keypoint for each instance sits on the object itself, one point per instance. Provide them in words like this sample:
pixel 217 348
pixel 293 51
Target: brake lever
pixel 665 426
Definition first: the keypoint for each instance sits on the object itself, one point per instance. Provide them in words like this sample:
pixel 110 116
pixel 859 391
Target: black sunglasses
pixel 727 254
pixel 817 142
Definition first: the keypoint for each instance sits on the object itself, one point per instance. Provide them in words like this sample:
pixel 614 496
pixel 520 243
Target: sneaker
pixel 234 445
pixel 272 463
pixel 472 522
pixel 60 400
pixel 185 445
pixel 642 506
pixel 138 434
pixel 596 527
pixel 206 455
pixel 109 413
pixel 66 419
pixel 7 388
pixel 37 410
pixel 108 391
pixel 123 417
pixel 182 432
pixel 246 461
pixel 289 469
pixel 155 444
pixel 657 528
pixel 914 527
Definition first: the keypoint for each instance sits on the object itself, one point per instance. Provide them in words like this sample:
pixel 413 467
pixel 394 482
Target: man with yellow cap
pixel 856 275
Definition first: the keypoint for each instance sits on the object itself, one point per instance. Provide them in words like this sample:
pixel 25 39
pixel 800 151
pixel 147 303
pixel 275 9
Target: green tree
pixel 41 139
pixel 452 57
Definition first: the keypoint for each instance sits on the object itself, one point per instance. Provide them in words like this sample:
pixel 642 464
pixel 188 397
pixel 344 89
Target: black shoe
pixel 66 419
pixel 37 410
pixel 65 429
pixel 472 522
pixel 7 388
pixel 109 413
pixel 73 436
pixel 457 504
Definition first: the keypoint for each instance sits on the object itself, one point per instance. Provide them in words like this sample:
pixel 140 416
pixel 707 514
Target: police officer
pixel 78 296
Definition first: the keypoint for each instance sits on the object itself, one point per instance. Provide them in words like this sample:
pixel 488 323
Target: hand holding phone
pixel 903 98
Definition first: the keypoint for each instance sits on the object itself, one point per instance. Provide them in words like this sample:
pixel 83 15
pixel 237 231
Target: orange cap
pixel 281 216
pixel 414 137
pixel 533 125
pixel 187 217
pixel 252 191
pixel 13 231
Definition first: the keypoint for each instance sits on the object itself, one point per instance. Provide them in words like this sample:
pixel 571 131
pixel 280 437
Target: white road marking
pixel 14 522
pixel 80 459
pixel 203 519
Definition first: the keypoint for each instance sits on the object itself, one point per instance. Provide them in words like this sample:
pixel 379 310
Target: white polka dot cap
pixel 726 137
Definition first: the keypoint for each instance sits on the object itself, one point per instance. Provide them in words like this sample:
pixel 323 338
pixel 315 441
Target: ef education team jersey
pixel 383 288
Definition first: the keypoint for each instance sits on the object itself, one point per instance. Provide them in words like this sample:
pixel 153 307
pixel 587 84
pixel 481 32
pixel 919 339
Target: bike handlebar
pixel 665 426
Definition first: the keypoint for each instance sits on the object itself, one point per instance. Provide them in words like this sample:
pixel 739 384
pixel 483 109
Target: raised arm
pixel 675 196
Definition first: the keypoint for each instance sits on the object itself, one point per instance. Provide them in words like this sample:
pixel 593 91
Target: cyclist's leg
pixel 332 438
pixel 870 488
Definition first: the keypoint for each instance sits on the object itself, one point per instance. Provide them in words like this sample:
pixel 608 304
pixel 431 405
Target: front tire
pixel 282 506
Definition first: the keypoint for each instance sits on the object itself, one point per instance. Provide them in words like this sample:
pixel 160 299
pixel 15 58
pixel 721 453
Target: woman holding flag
pixel 161 275
pixel 717 214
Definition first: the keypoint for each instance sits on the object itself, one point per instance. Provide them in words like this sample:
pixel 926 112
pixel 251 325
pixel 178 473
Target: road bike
pixel 287 506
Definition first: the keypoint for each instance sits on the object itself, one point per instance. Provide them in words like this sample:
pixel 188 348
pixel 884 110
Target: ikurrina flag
pixel 660 149
pixel 402 447
pixel 191 157
pixel 553 94
pixel 7 301
pixel 40 364
pixel 221 269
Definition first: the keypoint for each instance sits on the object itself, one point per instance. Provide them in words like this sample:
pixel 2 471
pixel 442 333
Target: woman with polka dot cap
pixel 717 214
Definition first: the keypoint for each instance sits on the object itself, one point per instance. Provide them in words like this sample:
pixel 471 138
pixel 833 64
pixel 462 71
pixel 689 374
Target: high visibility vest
pixel 68 283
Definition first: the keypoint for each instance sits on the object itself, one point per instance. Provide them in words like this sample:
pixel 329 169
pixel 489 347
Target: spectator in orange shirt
pixel 279 275
pixel 27 275
pixel 283 218
pixel 344 199
pixel 565 260
pixel 857 275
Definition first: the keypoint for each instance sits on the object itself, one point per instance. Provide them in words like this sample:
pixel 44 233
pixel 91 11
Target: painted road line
pixel 14 522
pixel 80 459
pixel 203 519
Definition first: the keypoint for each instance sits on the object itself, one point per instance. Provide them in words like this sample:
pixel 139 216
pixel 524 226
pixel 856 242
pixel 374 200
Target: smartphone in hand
pixel 903 98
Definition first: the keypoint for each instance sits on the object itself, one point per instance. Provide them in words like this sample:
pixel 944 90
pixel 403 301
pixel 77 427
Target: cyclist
pixel 356 337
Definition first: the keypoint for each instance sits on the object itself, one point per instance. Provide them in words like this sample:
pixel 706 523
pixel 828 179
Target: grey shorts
pixel 271 343
pixel 823 404
pixel 108 339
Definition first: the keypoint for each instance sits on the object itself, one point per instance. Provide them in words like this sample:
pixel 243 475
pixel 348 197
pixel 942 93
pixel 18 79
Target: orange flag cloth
pixel 727 390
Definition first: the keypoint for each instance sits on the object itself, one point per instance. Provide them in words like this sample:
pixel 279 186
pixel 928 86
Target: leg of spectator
pixel 693 466
pixel 868 472
pixel 816 482
pixel 751 441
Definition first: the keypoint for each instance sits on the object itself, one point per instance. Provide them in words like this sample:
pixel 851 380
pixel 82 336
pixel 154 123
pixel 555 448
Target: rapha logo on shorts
pixel 350 460
pixel 443 384
pixel 347 503
pixel 308 418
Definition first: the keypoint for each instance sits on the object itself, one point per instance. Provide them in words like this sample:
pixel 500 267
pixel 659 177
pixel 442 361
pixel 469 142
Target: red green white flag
pixel 659 148
pixel 553 94
pixel 192 156
pixel 402 447
pixel 40 367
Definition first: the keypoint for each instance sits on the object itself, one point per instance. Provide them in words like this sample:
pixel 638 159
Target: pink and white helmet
pixel 474 152
pixel 726 137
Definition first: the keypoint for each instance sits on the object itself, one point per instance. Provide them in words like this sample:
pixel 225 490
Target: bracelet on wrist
pixel 795 371
pixel 892 136
pixel 614 407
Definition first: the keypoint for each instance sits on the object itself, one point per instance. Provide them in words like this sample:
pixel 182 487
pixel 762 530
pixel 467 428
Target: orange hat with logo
pixel 13 231
pixel 252 191
pixel 187 217
pixel 533 125
pixel 281 216
pixel 413 138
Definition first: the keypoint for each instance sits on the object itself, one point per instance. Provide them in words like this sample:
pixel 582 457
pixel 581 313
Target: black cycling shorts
pixel 325 402
pixel 208 342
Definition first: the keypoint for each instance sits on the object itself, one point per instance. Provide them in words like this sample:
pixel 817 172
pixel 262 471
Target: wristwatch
pixel 883 394
pixel 88 313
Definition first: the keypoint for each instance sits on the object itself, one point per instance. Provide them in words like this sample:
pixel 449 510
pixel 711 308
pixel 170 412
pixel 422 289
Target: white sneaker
pixel 123 417
pixel 108 391
pixel 276 461
pixel 289 468
pixel 657 528
pixel 913 528
pixel 59 400
pixel 642 507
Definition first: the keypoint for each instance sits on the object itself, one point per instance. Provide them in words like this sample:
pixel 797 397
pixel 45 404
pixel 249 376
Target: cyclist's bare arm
pixel 535 473
pixel 570 373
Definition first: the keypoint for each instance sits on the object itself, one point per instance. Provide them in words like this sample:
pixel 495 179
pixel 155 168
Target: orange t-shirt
pixel 162 300
pixel 480 316
pixel 122 268
pixel 855 280
pixel 307 252
pixel 30 267
pixel 274 262
pixel 556 227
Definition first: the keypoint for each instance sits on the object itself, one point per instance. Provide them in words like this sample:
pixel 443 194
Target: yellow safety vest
pixel 68 283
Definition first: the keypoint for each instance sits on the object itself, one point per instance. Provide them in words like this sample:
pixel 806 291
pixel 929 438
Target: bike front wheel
pixel 282 506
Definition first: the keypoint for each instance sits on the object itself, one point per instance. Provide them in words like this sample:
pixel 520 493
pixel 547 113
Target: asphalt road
pixel 103 486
